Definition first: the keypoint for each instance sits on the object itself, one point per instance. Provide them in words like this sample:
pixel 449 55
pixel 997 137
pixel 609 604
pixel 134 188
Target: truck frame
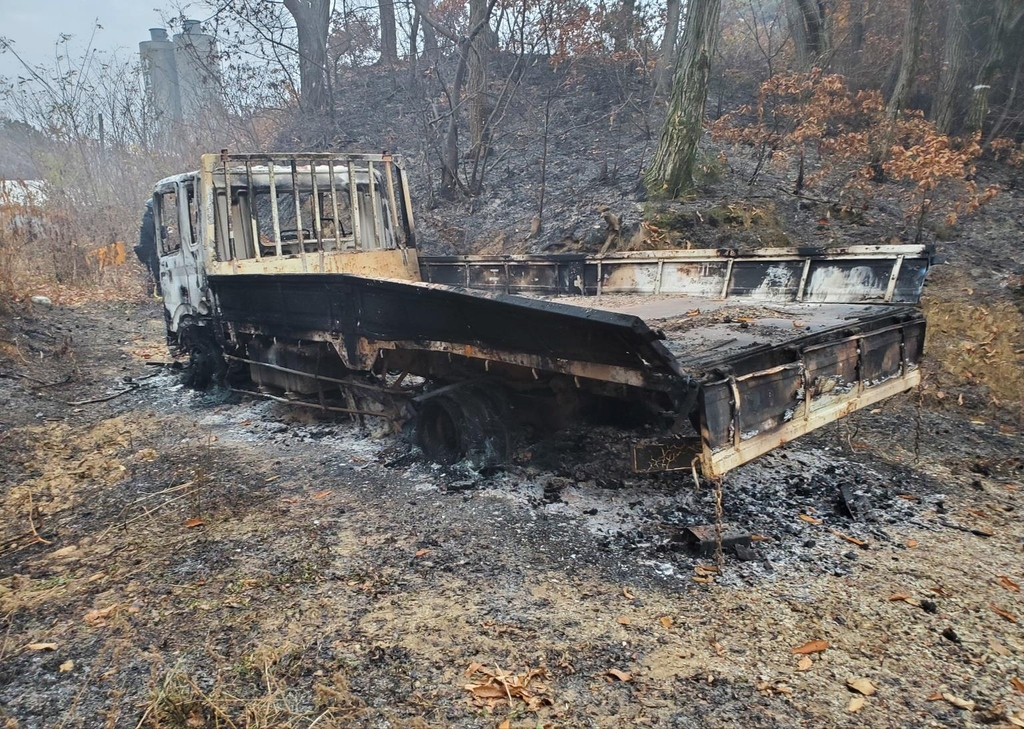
pixel 299 274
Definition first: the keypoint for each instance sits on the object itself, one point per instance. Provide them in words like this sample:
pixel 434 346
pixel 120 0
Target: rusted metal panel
pixel 400 311
pixel 852 274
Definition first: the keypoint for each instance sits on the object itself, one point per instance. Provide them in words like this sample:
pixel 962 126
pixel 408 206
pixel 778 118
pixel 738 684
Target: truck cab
pixel 280 213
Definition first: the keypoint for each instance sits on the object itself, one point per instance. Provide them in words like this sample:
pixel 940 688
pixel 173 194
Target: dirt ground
pixel 180 559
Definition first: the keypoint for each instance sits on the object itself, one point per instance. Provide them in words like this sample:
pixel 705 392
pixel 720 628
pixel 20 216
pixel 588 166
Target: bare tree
pixel 312 23
pixel 671 170
pixel 908 61
pixel 807 26
pixel 463 45
pixel 952 70
pixel 1004 23
pixel 667 53
pixel 388 33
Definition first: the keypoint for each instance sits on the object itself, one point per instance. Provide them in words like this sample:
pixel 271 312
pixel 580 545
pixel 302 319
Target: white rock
pixel 42 300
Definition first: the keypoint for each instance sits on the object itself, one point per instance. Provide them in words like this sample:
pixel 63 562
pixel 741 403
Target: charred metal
pixel 301 272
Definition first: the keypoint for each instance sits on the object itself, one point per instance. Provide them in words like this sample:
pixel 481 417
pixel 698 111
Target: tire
pixel 206 363
pixel 465 423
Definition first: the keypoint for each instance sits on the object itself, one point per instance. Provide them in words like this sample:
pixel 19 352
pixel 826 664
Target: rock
pixel 42 300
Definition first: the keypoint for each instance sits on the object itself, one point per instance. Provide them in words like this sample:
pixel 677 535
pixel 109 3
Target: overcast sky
pixel 35 25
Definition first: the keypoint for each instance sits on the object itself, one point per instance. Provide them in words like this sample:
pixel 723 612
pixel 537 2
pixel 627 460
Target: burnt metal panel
pixel 388 310
pixel 852 274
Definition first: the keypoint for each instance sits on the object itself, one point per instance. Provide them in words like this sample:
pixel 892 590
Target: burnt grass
pixel 337 578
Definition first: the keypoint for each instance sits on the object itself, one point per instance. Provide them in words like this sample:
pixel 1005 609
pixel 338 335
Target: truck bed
pixel 751 373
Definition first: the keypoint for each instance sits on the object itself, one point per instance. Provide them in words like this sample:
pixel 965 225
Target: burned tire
pixel 206 363
pixel 465 423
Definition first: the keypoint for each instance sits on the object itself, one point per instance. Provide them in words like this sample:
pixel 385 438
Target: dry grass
pixel 979 343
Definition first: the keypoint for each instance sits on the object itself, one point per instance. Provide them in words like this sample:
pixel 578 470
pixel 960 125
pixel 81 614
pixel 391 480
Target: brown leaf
pixel 911 543
pixel 321 494
pixel 936 696
pixel 666 622
pixel 42 646
pixel 959 703
pixel 1003 613
pixel 805 664
pixel 814 646
pixel 622 620
pixel 473 668
pixel 623 676
pixel 856 704
pixel 194 522
pixel 999 648
pixel 851 540
pixel 810 519
pixel 66 666
pixel 421 552
pixel 97 617
pixel 759 538
pixel 703 580
pixel 627 594
pixel 1008 583
pixel 487 691
pixel 862 686
pixel 898 596
pixel 1017 684
pixel 507 724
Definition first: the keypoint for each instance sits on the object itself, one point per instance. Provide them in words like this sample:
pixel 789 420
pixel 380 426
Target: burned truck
pixel 299 277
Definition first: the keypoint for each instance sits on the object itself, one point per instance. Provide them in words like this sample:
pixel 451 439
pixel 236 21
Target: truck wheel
pixel 468 423
pixel 206 363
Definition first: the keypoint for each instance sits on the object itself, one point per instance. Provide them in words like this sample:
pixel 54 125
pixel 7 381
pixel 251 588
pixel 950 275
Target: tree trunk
pixel 430 52
pixel 952 67
pixel 908 61
pixel 667 54
pixel 858 14
pixel 479 54
pixel 388 34
pixel 1006 16
pixel 622 33
pixel 312 21
pixel 671 170
pixel 806 19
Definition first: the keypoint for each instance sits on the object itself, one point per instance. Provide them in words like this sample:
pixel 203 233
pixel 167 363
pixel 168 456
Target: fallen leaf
pixel 96 617
pixel 622 620
pixel 1008 583
pixel 66 666
pixel 759 538
pixel 911 543
pixel 705 570
pixel 1017 684
pixel 1011 487
pixel 623 676
pixel 804 664
pixel 908 497
pixel 959 703
pixel 507 724
pixel 194 522
pixel 933 697
pixel 999 648
pixel 799 324
pixel 421 552
pixel 627 594
pixel 1016 719
pixel 703 580
pixel 666 622
pixel 856 704
pixel 851 540
pixel 862 686
pixel 898 596
pixel 810 519
pixel 1004 613
pixel 814 646
pixel 42 646
pixel 486 691
pixel 321 494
